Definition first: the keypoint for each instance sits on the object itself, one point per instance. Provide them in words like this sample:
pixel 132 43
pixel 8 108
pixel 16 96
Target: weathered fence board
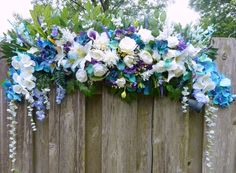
pixel 103 134
pixel 225 129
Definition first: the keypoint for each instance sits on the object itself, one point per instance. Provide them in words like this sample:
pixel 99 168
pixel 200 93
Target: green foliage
pixel 173 93
pixel 44 80
pixel 73 85
pixel 221 13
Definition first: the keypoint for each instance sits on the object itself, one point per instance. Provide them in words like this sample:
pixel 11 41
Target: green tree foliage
pixel 221 13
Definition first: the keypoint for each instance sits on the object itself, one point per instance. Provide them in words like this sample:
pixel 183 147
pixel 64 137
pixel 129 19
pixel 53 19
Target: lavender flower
pixel 60 94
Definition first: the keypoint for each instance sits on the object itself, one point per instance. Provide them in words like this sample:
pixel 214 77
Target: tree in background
pixel 221 13
pixel 120 12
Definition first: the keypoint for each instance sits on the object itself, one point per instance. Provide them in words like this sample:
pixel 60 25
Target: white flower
pixel 77 53
pixel 101 41
pixel 146 57
pixel 16 63
pixel 67 35
pixel 111 58
pixel 99 70
pixel 121 82
pixel 225 82
pixel 156 55
pixel 81 75
pixel 172 41
pixel 204 83
pixel 129 61
pixel 191 51
pixel 33 50
pixel 127 45
pixel 201 97
pixel 146 75
pixel 25 60
pixel 27 84
pixel 97 54
pixel 146 35
pixel 159 67
pixel 17 89
pixel 171 54
pixel 175 70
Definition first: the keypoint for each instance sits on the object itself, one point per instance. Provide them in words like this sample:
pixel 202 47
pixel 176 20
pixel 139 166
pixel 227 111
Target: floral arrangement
pixel 129 60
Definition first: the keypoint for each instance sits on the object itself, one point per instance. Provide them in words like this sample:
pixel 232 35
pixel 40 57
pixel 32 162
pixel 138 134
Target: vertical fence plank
pixel 24 157
pixel 195 142
pixel 224 155
pixel 54 133
pixel 68 134
pixel 144 134
pixel 80 153
pixel 93 121
pixel 41 147
pixel 4 138
pixel 170 137
pixel 119 124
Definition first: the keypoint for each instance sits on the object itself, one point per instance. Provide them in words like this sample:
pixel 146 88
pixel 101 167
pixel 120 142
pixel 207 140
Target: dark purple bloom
pixel 119 32
pixel 67 46
pixel 92 35
pixel 131 30
pixel 182 45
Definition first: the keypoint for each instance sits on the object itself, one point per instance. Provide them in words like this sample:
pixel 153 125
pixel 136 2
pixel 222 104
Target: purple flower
pixel 60 94
pixel 182 45
pixel 54 32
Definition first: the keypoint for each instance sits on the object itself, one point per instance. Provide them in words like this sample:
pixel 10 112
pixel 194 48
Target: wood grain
pixel 119 124
pixel 103 134
pixel 224 155
pixel 4 137
pixel 93 153
pixel 170 137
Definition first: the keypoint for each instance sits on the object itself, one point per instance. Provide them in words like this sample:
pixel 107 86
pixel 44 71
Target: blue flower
pixel 82 39
pixel 222 96
pixel 60 94
pixel 161 46
pixel 10 94
pixel 138 40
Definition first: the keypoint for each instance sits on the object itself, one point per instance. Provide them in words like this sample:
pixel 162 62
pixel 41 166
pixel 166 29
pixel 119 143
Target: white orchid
pixel 204 83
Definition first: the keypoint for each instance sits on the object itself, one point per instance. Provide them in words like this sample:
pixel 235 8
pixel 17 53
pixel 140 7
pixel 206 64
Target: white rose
pixel 129 61
pixel 121 82
pixel 172 41
pixel 127 45
pixel 99 70
pixel 97 54
pixel 146 57
pixel 146 35
pixel 81 75
pixel 111 58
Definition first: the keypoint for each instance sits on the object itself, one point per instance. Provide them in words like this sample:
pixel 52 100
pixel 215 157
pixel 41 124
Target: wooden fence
pixel 102 134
